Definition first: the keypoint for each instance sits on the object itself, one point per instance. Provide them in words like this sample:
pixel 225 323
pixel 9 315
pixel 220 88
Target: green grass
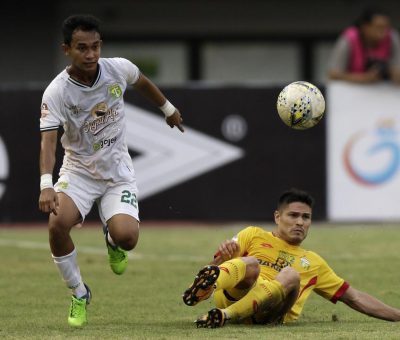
pixel 145 302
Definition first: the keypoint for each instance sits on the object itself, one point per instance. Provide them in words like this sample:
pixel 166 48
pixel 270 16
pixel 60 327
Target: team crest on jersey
pixel 115 90
pixel 305 263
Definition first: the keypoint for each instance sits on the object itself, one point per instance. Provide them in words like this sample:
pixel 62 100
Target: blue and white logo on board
pixel 363 152
pixel 372 157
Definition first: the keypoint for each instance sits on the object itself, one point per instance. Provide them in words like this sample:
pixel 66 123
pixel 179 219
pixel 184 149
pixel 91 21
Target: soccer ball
pixel 301 105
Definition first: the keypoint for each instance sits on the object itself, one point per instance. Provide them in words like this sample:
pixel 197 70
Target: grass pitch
pixel 145 302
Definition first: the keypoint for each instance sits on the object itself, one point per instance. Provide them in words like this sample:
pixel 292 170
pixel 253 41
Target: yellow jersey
pixel 273 254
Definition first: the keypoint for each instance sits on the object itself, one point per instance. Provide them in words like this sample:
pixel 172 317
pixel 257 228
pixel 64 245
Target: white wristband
pixel 46 181
pixel 168 109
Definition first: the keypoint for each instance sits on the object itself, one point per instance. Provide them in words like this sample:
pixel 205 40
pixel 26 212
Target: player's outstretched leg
pixel 77 311
pixel 213 319
pixel 117 257
pixel 202 287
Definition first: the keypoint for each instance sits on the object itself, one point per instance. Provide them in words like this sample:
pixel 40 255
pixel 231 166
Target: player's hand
pixel 175 120
pixel 48 201
pixel 228 250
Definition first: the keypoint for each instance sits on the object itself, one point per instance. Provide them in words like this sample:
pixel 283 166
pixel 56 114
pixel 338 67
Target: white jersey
pixel 93 119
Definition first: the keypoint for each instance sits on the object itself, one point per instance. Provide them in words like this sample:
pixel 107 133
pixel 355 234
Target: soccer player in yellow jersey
pixel 263 277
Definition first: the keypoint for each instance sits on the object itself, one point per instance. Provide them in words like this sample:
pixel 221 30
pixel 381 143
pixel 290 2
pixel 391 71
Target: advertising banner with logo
pixel 233 160
pixel 363 141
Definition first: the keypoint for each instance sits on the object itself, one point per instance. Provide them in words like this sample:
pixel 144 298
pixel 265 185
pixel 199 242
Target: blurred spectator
pixel 368 51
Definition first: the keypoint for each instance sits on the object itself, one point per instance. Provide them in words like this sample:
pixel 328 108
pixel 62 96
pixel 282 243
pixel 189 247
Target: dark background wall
pixel 30 39
pixel 275 158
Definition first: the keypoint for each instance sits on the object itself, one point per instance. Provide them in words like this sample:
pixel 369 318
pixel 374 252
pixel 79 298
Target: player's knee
pixel 129 242
pixel 289 278
pixel 252 272
pixel 252 268
pixel 58 228
pixel 128 239
pixel 124 231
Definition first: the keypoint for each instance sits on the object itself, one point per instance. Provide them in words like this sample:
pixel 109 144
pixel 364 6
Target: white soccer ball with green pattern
pixel 301 105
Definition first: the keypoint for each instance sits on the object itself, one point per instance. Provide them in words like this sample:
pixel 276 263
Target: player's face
pixel 293 221
pixel 84 50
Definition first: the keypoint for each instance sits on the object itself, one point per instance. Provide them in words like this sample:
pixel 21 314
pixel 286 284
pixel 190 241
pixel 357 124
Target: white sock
pixel 110 240
pixel 80 291
pixel 70 273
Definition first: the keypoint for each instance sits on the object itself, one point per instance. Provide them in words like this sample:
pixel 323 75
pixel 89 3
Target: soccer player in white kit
pixel 87 100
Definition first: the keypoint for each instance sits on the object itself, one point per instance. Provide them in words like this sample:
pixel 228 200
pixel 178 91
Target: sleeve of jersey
pixel 129 70
pixel 50 118
pixel 329 285
pixel 243 238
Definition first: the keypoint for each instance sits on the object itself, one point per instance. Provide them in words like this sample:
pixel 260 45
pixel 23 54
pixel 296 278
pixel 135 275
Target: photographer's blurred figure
pixel 368 51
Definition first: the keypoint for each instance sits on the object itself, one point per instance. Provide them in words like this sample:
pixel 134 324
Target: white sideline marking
pixel 102 251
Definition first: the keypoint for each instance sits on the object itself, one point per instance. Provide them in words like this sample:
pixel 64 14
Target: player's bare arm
pixel 369 305
pixel 151 92
pixel 370 76
pixel 48 200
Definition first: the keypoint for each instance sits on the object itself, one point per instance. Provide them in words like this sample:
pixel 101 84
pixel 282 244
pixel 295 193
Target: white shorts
pixel 111 198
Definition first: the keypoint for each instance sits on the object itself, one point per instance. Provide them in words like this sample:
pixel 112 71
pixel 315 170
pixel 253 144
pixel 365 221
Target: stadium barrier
pixel 232 162
pixel 363 151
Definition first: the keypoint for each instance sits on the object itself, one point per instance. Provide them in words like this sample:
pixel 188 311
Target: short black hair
pixel 295 195
pixel 368 14
pixel 84 22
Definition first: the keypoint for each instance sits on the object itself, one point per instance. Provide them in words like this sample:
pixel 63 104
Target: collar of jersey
pixel 77 83
pixel 288 245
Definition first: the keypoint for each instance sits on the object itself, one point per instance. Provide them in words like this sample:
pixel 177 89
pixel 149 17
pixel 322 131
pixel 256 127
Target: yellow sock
pixel 264 296
pixel 231 273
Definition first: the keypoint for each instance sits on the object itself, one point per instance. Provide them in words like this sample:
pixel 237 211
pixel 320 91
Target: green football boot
pixel 117 257
pixel 77 311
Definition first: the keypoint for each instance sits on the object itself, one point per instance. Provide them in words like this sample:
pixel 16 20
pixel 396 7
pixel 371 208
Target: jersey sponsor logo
pixel 104 143
pixel 115 90
pixel 284 259
pixel 44 110
pixel 278 265
pixel 103 115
